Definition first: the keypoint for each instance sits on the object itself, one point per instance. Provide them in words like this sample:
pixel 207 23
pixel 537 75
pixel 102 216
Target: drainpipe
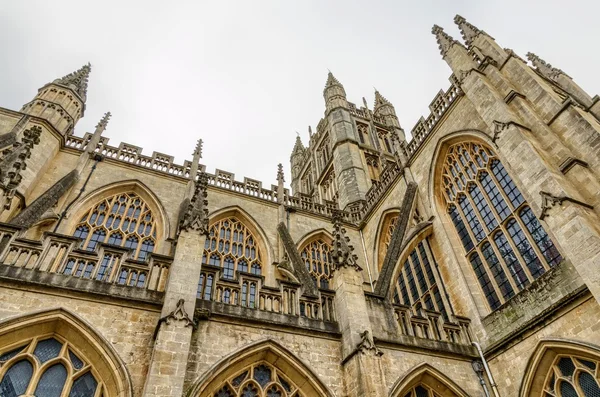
pixel 362 240
pixel 487 370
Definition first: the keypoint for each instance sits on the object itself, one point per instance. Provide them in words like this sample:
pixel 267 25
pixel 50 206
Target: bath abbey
pixel 464 261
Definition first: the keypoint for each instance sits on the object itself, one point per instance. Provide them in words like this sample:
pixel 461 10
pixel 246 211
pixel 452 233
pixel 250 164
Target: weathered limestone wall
pixel 580 323
pixel 214 340
pixel 127 327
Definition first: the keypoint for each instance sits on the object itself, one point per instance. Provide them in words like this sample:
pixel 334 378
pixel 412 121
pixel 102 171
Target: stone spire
pixel 280 182
pixel 380 101
pixel 334 94
pixel 332 81
pixel 101 126
pixel 298 147
pixel 13 161
pixel 342 254
pixel 280 176
pixel 468 31
pixel 445 41
pixel 77 81
pixel 545 68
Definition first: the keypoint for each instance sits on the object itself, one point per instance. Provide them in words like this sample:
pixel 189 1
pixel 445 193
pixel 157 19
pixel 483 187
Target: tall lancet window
pixel 317 257
pixel 504 241
pixel 124 220
pixel 233 247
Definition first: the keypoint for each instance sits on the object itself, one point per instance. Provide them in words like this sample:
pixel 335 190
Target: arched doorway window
pixel 258 380
pixel 233 247
pixel 316 255
pixel 124 220
pixel 47 367
pixel 572 376
pixel 504 241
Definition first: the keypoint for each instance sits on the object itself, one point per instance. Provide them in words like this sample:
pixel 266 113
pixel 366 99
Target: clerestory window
pixel 317 258
pixel 504 241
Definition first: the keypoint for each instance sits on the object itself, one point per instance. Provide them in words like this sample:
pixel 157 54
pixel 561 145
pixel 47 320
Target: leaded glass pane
pixel 527 252
pixel 589 385
pixel 274 392
pixel 225 391
pixel 482 206
pixel 262 374
pixel 237 381
pixel 497 271
pixel 420 391
pixel 10 354
pixel 76 361
pixel 512 263
pixel 507 184
pixel 16 379
pixel 484 282
pixel 461 229
pixel 587 363
pixel 494 195
pixel 47 349
pixel 84 386
pixel 52 382
pixel 566 366
pixel 285 384
pixel 249 391
pixel 411 281
pixel 471 218
pixel 541 238
pixel 567 390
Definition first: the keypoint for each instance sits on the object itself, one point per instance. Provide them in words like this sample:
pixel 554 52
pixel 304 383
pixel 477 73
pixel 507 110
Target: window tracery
pixel 258 380
pixel 421 391
pixel 373 167
pixel 571 376
pixel 124 220
pixel 48 367
pixel 233 247
pixel 317 258
pixel 504 241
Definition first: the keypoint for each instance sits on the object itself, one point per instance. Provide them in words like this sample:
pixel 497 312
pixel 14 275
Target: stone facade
pixel 464 262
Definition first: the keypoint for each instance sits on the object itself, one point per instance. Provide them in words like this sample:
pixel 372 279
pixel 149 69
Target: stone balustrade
pixel 60 254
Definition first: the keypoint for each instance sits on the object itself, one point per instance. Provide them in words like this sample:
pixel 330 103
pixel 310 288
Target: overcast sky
pixel 246 75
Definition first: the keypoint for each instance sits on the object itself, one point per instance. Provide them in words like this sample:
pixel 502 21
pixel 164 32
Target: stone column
pixel 174 331
pixel 363 371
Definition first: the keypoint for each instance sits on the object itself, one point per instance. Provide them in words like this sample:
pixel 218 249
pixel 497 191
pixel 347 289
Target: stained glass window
pixel 123 220
pixel 505 243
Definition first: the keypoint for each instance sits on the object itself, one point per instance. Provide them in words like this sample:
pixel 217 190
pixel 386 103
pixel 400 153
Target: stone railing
pixel 247 290
pixel 431 325
pixel 57 253
pixel 250 187
pixel 440 104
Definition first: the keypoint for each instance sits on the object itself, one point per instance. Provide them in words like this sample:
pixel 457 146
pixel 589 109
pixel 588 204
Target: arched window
pixel 505 243
pixel 123 220
pixel 416 285
pixel 317 258
pixel 46 367
pixel 259 380
pixel 421 391
pixel 232 246
pixel 571 376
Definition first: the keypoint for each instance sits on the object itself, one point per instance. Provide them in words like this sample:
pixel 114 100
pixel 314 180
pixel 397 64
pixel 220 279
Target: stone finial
pixel 78 81
pixel 380 100
pixel 468 31
pixel 179 314
pixel 544 67
pixel 445 41
pixel 195 216
pixel 103 121
pixel 298 146
pixel 342 254
pixel 198 149
pixel 13 161
pixel 280 176
pixel 331 81
pixel 310 131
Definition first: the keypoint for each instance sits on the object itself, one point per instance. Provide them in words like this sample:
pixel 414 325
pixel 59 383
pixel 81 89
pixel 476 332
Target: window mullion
pixel 468 227
pixel 437 276
pixel 516 250
pixel 529 237
pixel 489 203
pixel 507 272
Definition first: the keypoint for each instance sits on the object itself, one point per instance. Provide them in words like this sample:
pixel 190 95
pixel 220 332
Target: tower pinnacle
pixel 445 41
pixel 380 100
pixel 298 146
pixel 331 81
pixel 77 81
pixel 468 31
pixel 544 67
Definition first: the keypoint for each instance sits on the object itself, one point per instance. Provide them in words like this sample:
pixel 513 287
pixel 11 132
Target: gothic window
pixel 416 284
pixel 329 187
pixel 363 133
pixel 421 391
pixel 233 247
pixel 46 367
pixel 258 380
pixel 123 220
pixel 571 376
pixel 373 167
pixel 317 258
pixel 504 242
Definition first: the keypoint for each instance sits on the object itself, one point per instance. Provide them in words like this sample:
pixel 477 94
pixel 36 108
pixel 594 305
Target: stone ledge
pixel 428 346
pixel 244 314
pixel 19 275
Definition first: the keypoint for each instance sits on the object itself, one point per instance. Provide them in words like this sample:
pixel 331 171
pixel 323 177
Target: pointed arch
pixel 315 250
pixel 132 185
pixel 314 235
pixel 425 374
pixel 267 351
pixel 249 221
pixel 107 365
pixel 384 228
pixel 544 357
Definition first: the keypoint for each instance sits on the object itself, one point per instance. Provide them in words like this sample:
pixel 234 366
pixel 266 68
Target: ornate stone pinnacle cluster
pixel 468 31
pixel 342 254
pixel 331 80
pixel 104 121
pixel 77 80
pixel 298 146
pixel 280 175
pixel 380 100
pixel 445 41
pixel 544 67
pixel 14 161
pixel 196 215
pixel 198 148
